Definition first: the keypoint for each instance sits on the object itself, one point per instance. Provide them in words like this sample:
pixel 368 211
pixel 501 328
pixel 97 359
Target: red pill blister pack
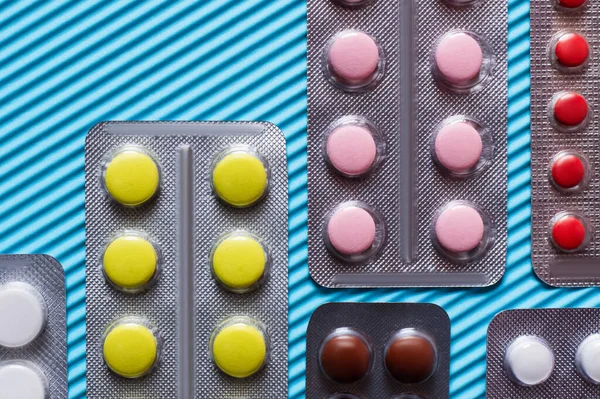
pixel 565 141
pixel 407 142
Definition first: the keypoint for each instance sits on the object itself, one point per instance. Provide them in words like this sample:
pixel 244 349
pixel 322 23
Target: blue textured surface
pixel 65 65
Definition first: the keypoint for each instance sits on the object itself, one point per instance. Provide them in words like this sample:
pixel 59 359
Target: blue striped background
pixel 65 65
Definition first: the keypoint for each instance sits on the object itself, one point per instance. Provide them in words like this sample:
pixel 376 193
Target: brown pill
pixel 345 358
pixel 410 358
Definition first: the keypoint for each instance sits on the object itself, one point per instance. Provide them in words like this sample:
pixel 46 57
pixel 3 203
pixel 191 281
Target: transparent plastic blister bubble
pixel 33 328
pixel 378 350
pixel 564 142
pixel 418 127
pixel 196 267
pixel 543 354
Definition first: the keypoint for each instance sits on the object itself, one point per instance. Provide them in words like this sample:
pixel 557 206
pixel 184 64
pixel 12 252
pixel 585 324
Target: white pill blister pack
pixel 33 337
pixel 544 354
pixel 407 180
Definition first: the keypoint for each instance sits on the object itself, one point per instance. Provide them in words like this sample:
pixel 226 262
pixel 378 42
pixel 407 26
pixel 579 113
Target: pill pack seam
pixel 546 141
pixel 563 330
pixel 212 303
pixel 49 350
pixel 381 105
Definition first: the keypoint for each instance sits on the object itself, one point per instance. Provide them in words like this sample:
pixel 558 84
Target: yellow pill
pixel 239 262
pixel 240 178
pixel 130 262
pixel 131 177
pixel 130 349
pixel 239 348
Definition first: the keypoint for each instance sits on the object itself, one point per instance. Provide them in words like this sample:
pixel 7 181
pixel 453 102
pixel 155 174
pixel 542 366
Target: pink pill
pixel 459 228
pixel 354 57
pixel 351 149
pixel 459 58
pixel 458 146
pixel 351 230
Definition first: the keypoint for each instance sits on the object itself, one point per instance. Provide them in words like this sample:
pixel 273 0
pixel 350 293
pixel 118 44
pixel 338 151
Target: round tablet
pixel 570 109
pixel 239 348
pixel 130 349
pixel 351 230
pixel 353 57
pixel 239 261
pixel 410 358
pixel 351 149
pixel 587 359
pixel 131 177
pixel 571 50
pixel 568 233
pixel 23 314
pixel 529 360
pixel 240 178
pixel 345 357
pixel 130 262
pixel 459 58
pixel 458 146
pixel 459 228
pixel 568 171
pixel 571 3
pixel 20 381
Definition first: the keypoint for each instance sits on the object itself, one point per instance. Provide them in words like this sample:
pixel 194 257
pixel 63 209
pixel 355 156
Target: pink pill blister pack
pixel 564 142
pixel 407 142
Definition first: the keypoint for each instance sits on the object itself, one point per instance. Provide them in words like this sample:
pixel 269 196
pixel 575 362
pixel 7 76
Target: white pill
pixel 22 314
pixel 19 380
pixel 587 359
pixel 529 360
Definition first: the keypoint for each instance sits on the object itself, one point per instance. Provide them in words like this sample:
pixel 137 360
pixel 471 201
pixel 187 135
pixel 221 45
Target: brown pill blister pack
pixel 378 350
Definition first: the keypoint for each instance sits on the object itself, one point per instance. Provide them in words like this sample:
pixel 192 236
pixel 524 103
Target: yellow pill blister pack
pixel 33 328
pixel 186 260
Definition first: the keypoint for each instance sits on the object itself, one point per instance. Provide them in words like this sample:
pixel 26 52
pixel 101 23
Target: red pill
pixel 570 109
pixel 568 233
pixel 568 171
pixel 571 3
pixel 571 50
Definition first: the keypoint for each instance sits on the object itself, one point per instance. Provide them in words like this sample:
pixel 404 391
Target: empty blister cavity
pixel 23 314
pixel 569 51
pixel 240 261
pixel 131 347
pixel 343 396
pixel 353 60
pixel 377 350
pixel 461 146
pixel 354 231
pixel 462 61
pixel 461 3
pixel 131 261
pixel 130 175
pixel 353 146
pixel 411 356
pixel 462 231
pixel 353 3
pixel 569 111
pixel 22 380
pixel 529 360
pixel 586 359
pixel 240 346
pixel 570 231
pixel 346 356
pixel 569 171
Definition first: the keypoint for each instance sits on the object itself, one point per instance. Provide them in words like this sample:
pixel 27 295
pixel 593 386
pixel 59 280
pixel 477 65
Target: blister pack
pixel 407 142
pixel 33 328
pixel 378 350
pixel 544 354
pixel 564 141
pixel 186 260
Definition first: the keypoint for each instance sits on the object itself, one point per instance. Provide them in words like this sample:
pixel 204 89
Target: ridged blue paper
pixel 66 65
